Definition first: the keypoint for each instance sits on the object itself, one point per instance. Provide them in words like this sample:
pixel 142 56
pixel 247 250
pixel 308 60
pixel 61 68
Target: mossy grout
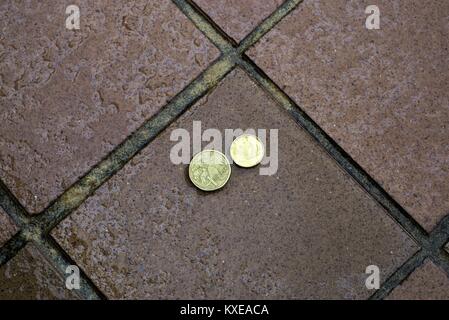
pixel 37 229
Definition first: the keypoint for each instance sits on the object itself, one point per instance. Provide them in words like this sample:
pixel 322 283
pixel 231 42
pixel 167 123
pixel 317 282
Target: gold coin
pixel 209 170
pixel 247 151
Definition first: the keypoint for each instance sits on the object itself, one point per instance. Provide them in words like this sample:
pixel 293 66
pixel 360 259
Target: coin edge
pixel 250 135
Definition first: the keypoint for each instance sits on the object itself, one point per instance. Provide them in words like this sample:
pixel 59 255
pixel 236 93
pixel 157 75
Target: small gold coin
pixel 209 170
pixel 247 151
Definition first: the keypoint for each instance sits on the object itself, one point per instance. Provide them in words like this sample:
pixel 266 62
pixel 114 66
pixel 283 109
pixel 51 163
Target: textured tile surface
pixel 427 283
pixel 28 276
pixel 383 95
pixel 68 97
pixel 148 233
pixel 7 227
pixel 238 18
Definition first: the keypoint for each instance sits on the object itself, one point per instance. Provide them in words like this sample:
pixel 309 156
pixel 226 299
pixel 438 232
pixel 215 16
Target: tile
pixel 307 231
pixel 428 282
pixel 7 227
pixel 238 18
pixel 383 95
pixel 67 98
pixel 28 276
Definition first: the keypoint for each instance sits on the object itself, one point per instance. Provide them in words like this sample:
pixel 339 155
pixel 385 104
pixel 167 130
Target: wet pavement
pixel 382 95
pixel 148 222
pixel 29 276
pixel 427 283
pixel 355 173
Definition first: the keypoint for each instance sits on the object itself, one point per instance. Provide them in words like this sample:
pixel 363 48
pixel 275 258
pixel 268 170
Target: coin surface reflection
pixel 247 151
pixel 209 170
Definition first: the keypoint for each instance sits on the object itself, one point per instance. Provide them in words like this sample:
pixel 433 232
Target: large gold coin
pixel 247 151
pixel 209 170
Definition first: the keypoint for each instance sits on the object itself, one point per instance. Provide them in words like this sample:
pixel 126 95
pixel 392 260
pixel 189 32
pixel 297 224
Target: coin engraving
pixel 209 170
pixel 247 151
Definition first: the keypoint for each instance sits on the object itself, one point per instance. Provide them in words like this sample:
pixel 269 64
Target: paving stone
pixel 7 227
pixel 67 98
pixel 307 231
pixel 428 282
pixel 238 18
pixel 28 276
pixel 381 94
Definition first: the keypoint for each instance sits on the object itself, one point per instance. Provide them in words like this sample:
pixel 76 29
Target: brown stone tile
pixel 7 227
pixel 28 276
pixel 68 97
pixel 238 18
pixel 307 231
pixel 426 283
pixel 383 95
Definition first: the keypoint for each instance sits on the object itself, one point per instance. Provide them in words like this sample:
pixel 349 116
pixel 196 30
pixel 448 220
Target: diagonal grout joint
pixel 32 232
pixel 37 229
pixel 234 55
pixel 440 234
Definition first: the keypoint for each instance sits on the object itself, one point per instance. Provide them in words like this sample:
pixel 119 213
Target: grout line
pixel 223 41
pixel 440 234
pixel 201 20
pixel 61 260
pixel 12 247
pixel 42 224
pixel 441 259
pixel 337 153
pixel 431 244
pixel 206 25
pixel 266 25
pixel 81 190
pixel 36 227
pixel 398 276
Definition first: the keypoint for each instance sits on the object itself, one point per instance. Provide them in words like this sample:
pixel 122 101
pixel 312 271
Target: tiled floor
pixel 149 223
pixel 427 283
pixel 362 172
pixel 29 276
pixel 71 97
pixel 382 95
